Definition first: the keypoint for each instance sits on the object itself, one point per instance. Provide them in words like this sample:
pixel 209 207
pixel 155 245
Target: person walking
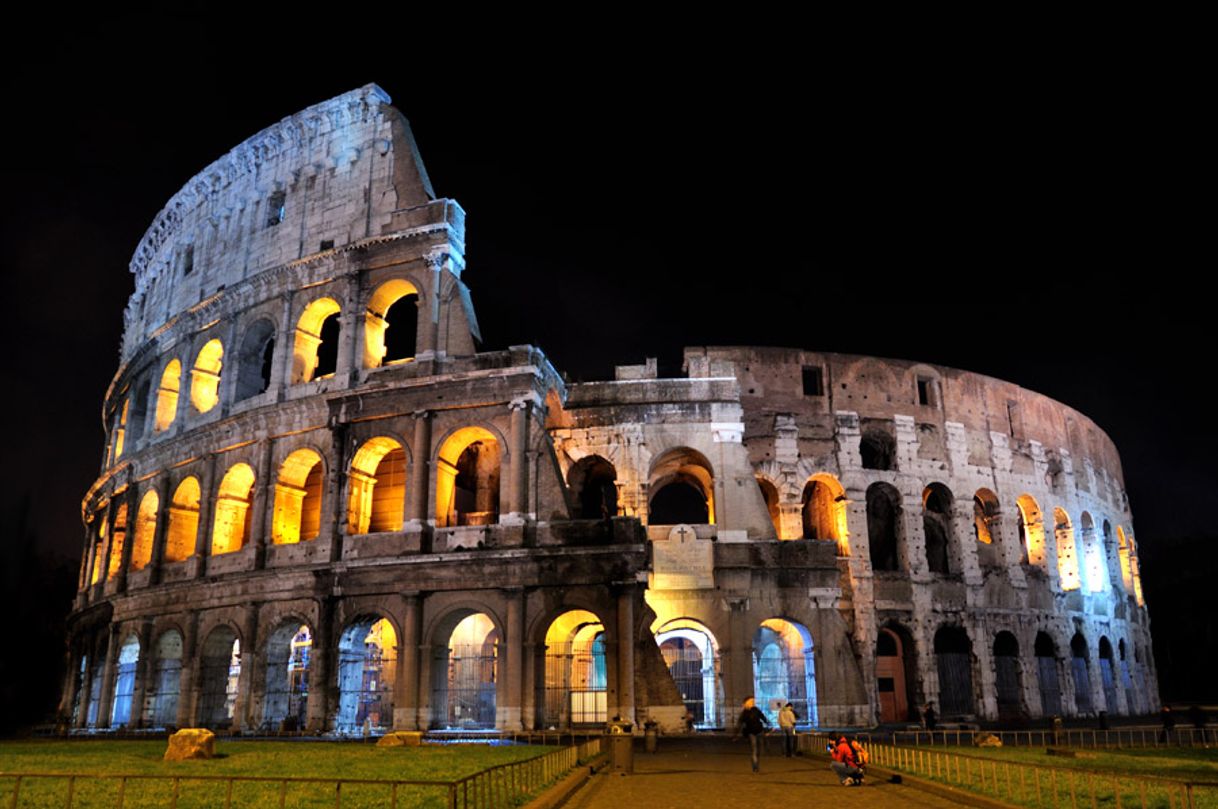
pixel 753 724
pixel 786 720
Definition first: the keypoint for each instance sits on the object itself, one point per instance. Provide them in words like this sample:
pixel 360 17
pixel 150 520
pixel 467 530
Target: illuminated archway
pixel 1095 563
pixel 367 668
pixel 681 489
pixel 1125 558
pixel 144 531
pixel 1067 554
pixel 985 515
pixel 287 677
pixel 377 483
pixel 1031 531
pixel 183 521
pixel 593 484
pixel 162 696
pixel 770 495
pixel 205 376
pixel 391 324
pixel 124 682
pixel 576 679
pixel 232 523
pixel 167 395
pixel 298 498
pixel 219 670
pixel 467 479
pixel 937 503
pixel 691 653
pixel 118 534
pixel 315 353
pixel 784 670
pixel 824 511
pixel 465 672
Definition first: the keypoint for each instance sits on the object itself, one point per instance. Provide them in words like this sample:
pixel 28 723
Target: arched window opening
pixel 1046 669
pixel 896 674
pixel 161 709
pixel 391 325
pixel 298 498
pixel 937 526
pixel 1080 662
pixel 691 653
pixel 1031 531
pixel 593 484
pixel 167 395
pixel 119 533
pixel 95 688
pixel 120 429
pixel 315 354
pixel 205 376
pixel 1108 676
pixel 954 659
pixel 145 530
pixel 220 670
pixel 1133 696
pixel 124 682
pixel 770 495
pixel 1125 558
pixel 367 667
pixel 1008 677
pixel 884 532
pixel 824 511
pixel 139 410
pixel 576 678
pixel 1067 555
pixel 1095 562
pixel 233 514
pixel 784 670
pixel 467 479
pixel 99 548
pixel 254 360
pixel 466 674
pixel 183 529
pixel 878 450
pixel 377 498
pixel 985 516
pixel 681 489
pixel 287 677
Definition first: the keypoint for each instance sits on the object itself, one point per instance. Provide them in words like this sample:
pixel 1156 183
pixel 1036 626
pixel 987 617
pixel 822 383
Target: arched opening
pixel 139 409
pixel 95 688
pixel 884 531
pixel 1108 676
pixel 99 547
pixel 691 653
pixel 1006 670
pixel 124 682
pixel 954 659
pixel 465 674
pixel 576 678
pixel 1031 531
pixel 205 376
pixel 593 484
pixel 1067 556
pixel 233 513
pixel 219 669
pixel 167 395
pixel 895 673
pixel 1094 562
pixel 784 670
pixel 118 533
pixel 1125 558
pixel 377 487
pixel 824 511
pixel 985 516
pixel 391 324
pixel 315 354
pixel 144 530
pixel 255 360
pixel 162 699
pixel 770 495
pixel 298 498
pixel 1080 667
pixel 937 526
pixel 1046 670
pixel 287 677
pixel 183 521
pixel 878 450
pixel 467 479
pixel 367 667
pixel 1133 696
pixel 681 489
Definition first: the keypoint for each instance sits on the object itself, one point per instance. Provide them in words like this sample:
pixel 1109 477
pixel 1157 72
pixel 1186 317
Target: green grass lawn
pixel 1184 763
pixel 276 759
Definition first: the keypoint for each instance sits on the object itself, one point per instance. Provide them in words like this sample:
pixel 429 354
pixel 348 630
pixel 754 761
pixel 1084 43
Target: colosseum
pixel 323 509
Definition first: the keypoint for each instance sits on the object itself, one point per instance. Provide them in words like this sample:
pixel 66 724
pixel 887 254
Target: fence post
pixel 174 804
pixel 71 790
pixel 338 794
pixel 283 793
pixel 228 795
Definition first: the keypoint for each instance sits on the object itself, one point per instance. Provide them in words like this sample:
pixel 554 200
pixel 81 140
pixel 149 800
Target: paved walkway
pixel 715 774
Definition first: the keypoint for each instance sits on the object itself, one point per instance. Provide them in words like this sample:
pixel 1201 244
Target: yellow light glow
pixel 1067 555
pixel 120 536
pixel 308 337
pixel 1124 555
pixel 121 430
pixel 471 631
pixel 377 483
pixel 145 530
pixel 231 526
pixel 446 470
pixel 205 376
pixel 375 325
pixel 825 510
pixel 1033 530
pixel 298 498
pixel 183 521
pixel 167 395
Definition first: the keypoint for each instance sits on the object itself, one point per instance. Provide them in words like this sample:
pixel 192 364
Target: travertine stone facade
pixel 322 507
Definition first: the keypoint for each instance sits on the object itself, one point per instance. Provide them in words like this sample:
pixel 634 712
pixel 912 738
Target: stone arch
pixel 985 516
pixel 205 376
pixel 465 669
pixel 1125 557
pixel 681 488
pixel 576 675
pixel 286 692
pixel 183 527
pixel 167 395
pixel 784 670
pixel 1031 531
pixel 691 652
pixel 162 692
pixel 896 672
pixel 144 531
pixel 1047 675
pixel 298 497
pixel 1108 675
pixel 1094 562
pixel 1080 667
pixel 126 667
pixel 1067 554
pixel 824 511
pixel 234 499
pixel 391 323
pixel 367 669
pixel 468 466
pixel 769 493
pixel 315 351
pixel 885 529
pixel 376 498
pixel 118 536
pixel 1008 677
pixel 219 672
pixel 954 660
pixel 593 484
pixel 255 359
pixel 878 450
pixel 937 507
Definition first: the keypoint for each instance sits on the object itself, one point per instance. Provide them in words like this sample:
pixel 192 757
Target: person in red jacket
pixel 846 764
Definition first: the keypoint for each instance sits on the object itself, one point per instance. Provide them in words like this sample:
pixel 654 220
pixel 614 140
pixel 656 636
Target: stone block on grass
pixel 191 743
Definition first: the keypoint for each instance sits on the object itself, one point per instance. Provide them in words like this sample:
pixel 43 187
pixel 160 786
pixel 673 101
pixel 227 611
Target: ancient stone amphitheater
pixel 322 508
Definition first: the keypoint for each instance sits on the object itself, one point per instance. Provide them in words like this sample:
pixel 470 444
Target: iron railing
pixel 1068 737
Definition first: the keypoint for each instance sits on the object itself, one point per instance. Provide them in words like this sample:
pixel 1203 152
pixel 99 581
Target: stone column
pixel 264 504
pixel 124 562
pixel 285 349
pixel 349 345
pixel 320 664
pixel 625 653
pixel 160 532
pixel 86 589
pixel 510 711
pixel 207 507
pixel 106 702
pixel 189 675
pixel 250 660
pixel 406 688
pixel 143 673
pixel 420 472
pixel 518 482
pixel 335 517
pixel 737 658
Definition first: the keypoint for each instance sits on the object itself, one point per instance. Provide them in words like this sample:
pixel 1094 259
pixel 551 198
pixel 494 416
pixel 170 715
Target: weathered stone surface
pixel 191 743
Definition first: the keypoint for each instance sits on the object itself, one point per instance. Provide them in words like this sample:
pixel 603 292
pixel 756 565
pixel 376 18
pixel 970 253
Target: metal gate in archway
pixel 697 678
pixel 576 692
pixel 472 680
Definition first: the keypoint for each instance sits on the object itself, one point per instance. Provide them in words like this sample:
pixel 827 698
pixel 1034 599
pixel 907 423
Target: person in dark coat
pixel 753 724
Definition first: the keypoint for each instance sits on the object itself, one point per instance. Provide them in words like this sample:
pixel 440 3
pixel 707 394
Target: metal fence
pixel 1072 737
pixel 493 788
pixel 1033 785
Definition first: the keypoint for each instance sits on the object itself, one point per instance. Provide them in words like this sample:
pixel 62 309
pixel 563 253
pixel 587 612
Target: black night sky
pixel 1039 225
